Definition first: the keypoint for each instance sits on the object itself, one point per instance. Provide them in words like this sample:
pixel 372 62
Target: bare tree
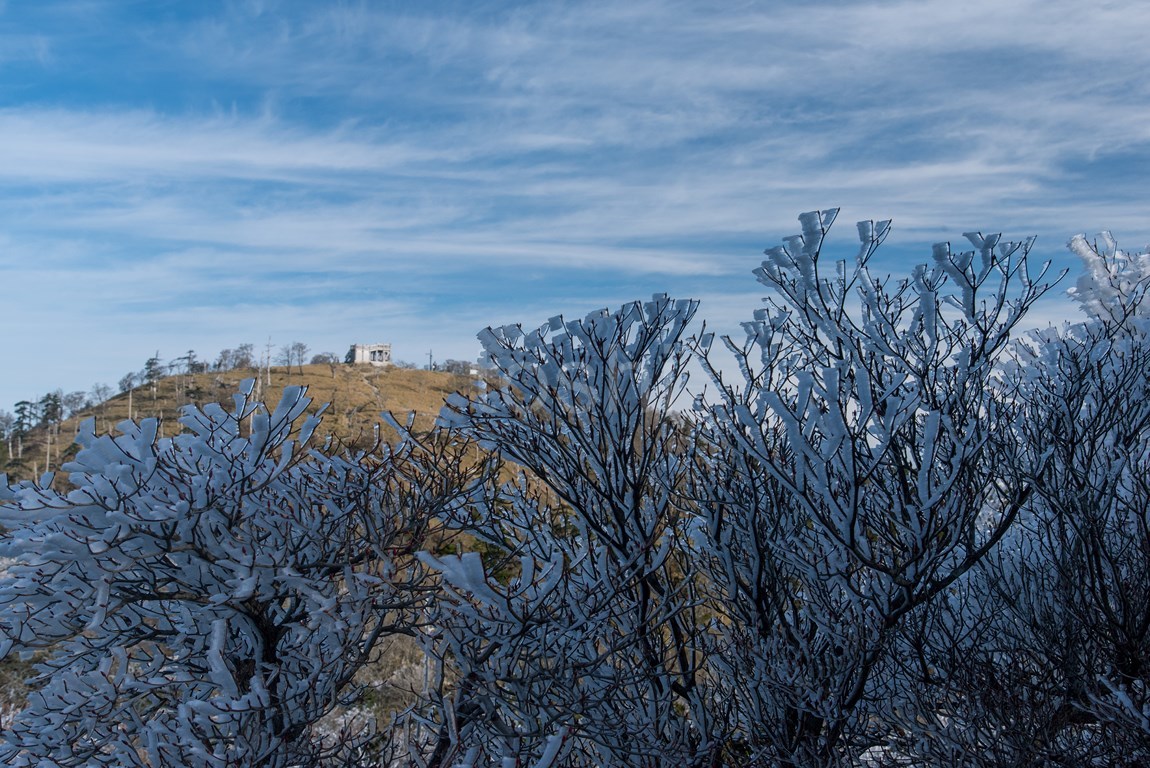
pixel 299 352
pixel 7 431
pixel 285 356
pixel 458 367
pixel 330 359
pixel 99 393
pixel 242 356
pixel 74 402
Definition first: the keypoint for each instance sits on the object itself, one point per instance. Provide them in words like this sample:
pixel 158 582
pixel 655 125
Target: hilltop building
pixel 369 354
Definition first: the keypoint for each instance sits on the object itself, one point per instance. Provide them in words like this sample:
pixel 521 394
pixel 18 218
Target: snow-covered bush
pixel 854 472
pixel 206 598
pixel 724 588
pixel 588 653
pixel 893 533
pixel 1051 662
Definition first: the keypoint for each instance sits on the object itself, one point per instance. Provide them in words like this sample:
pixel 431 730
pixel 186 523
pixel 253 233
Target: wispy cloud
pixel 226 172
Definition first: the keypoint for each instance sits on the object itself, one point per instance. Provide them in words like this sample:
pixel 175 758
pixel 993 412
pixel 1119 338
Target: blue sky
pixel 196 175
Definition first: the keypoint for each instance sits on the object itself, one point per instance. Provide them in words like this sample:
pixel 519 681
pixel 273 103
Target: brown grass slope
pixel 356 396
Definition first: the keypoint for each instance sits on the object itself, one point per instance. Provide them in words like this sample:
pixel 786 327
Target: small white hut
pixel 369 354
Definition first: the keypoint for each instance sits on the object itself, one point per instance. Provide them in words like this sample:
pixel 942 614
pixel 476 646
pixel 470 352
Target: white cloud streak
pixel 557 153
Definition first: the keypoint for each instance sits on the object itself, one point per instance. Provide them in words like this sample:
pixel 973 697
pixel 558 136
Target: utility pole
pixel 430 364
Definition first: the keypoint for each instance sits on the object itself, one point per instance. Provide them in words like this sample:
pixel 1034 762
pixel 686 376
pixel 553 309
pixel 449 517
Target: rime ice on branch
pixel 206 598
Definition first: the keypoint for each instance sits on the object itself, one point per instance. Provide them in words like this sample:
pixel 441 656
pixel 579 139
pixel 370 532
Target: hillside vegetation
pixel 355 395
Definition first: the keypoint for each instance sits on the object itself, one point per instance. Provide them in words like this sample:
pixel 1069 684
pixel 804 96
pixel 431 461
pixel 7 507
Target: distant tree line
pixel 47 412
pixel 53 407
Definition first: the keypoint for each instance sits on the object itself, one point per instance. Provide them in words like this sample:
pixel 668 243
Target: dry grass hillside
pixel 356 396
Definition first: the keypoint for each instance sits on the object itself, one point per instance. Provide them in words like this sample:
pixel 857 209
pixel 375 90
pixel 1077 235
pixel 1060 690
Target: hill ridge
pixel 356 395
